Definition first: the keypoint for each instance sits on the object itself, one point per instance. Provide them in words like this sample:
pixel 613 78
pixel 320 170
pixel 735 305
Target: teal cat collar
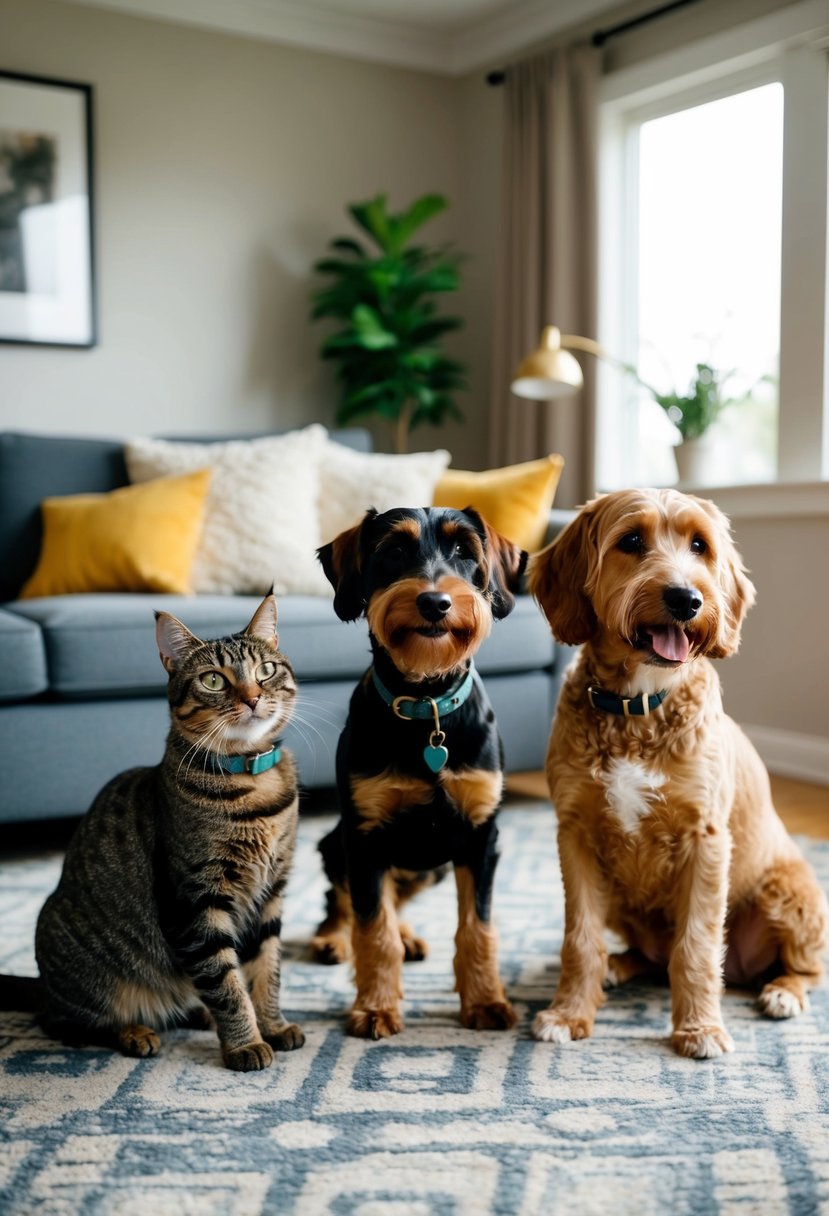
pixel 409 708
pixel 629 707
pixel 261 762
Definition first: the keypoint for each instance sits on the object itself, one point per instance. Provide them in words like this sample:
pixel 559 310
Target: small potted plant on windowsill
pixel 693 413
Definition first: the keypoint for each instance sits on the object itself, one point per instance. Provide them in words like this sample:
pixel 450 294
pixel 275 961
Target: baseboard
pixel 791 754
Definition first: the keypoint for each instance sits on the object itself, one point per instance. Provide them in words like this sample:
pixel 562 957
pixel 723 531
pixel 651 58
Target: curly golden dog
pixel 667 832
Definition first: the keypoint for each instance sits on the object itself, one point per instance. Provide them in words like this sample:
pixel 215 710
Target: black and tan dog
pixel 419 763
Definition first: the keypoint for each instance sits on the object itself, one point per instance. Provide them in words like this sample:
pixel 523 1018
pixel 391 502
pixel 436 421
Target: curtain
pixel 547 261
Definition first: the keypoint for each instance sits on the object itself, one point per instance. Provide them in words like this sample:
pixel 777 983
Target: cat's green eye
pixel 213 680
pixel 265 671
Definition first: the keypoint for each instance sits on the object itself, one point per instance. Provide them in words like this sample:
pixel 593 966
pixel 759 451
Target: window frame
pixel 790 46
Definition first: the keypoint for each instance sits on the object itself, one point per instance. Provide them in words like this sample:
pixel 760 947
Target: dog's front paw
pixel 373 1023
pixel 622 968
pixel 702 1042
pixel 777 1000
pixel 555 1026
pixel 286 1038
pixel 252 1057
pixel 330 950
pixel 499 1015
pixel 415 949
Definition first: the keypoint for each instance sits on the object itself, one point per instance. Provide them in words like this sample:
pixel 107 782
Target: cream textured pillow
pixel 351 482
pixel 260 524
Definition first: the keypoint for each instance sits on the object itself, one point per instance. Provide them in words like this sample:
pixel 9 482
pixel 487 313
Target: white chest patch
pixel 632 790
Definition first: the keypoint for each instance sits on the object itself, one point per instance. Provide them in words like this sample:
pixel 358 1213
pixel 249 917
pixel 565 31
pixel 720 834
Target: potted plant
pixel 388 345
pixel 693 413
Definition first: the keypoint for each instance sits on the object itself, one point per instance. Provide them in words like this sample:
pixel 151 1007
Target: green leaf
pixel 348 245
pixel 374 218
pixel 369 329
pixel 337 266
pixel 421 210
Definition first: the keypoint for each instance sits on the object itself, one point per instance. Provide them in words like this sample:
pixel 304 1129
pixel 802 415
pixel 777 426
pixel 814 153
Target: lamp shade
pixel 549 371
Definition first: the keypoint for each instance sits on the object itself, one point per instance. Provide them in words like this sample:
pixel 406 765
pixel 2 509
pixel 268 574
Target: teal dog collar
pixel 629 707
pixel 254 765
pixel 426 707
pixel 409 708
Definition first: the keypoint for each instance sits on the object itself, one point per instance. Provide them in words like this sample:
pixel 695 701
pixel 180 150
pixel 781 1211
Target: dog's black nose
pixel 682 602
pixel 434 605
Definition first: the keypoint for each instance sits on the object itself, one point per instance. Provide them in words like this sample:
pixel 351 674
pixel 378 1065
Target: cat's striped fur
pixel 169 906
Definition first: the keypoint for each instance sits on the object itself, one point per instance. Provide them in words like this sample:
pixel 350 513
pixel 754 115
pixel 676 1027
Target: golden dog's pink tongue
pixel 670 642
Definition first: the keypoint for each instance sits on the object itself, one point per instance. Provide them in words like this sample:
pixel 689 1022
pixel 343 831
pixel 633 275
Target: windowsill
pixel 772 500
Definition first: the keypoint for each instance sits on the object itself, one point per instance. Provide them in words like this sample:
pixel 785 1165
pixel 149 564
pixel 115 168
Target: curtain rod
pixel 601 37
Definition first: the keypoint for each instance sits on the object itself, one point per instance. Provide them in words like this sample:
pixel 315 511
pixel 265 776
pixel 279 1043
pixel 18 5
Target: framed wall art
pixel 47 271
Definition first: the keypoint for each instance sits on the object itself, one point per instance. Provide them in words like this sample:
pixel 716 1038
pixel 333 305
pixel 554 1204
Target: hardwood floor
pixel 804 808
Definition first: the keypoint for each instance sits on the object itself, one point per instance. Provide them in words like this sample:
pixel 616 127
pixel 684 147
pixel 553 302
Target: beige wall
pixel 479 164
pixel 780 675
pixel 223 166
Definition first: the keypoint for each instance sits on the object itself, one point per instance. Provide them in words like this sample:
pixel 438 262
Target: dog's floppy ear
pixel 505 565
pixel 558 576
pixel 341 559
pixel 738 592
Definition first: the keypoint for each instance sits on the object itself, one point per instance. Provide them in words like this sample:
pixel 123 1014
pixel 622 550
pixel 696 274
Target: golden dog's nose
pixel 682 602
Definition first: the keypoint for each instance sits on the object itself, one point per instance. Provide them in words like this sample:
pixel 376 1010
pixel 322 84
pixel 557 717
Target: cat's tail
pixel 22 993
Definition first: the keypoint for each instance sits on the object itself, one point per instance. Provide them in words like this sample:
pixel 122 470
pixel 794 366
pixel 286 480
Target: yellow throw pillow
pixel 515 500
pixel 138 538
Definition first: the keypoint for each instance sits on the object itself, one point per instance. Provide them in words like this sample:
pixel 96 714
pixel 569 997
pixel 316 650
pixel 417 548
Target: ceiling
pixel 446 36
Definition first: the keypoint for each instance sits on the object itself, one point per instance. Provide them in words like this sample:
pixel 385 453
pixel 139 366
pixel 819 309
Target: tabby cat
pixel 169 906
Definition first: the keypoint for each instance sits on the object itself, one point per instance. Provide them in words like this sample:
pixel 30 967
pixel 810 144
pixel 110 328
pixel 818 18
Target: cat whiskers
pixel 304 724
pixel 207 736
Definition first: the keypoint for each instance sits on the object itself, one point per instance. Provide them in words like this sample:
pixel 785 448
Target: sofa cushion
pixel 22 658
pixel 34 467
pixel 515 500
pixel 261 521
pixel 135 538
pixel 104 645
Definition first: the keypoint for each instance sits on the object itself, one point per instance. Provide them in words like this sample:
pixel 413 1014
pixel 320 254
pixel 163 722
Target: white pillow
pixel 351 482
pixel 261 524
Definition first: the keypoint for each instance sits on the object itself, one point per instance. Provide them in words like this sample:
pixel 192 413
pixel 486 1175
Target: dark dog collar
pixel 261 762
pixel 630 707
pixel 409 708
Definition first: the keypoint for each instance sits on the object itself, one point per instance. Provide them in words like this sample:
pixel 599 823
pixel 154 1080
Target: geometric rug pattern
pixel 439 1121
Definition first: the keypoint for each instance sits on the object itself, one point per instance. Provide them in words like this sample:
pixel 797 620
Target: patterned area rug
pixel 437 1121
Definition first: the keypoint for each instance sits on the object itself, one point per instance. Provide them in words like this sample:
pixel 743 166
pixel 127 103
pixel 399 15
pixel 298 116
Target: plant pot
pixel 694 462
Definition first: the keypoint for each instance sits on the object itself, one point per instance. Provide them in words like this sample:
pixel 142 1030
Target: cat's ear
pixel 263 622
pixel 174 640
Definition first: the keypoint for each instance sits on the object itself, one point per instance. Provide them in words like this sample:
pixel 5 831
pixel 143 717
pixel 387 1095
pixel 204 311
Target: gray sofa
pixel 82 690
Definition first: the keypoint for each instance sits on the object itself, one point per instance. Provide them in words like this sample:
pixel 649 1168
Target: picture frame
pixel 47 260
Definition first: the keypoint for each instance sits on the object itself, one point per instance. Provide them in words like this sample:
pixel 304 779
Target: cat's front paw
pixel 138 1041
pixel 286 1038
pixel 251 1057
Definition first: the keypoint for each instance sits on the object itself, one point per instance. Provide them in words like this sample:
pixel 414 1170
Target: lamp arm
pixel 576 342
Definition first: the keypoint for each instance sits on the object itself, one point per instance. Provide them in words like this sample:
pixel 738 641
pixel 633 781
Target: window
pixel 713 252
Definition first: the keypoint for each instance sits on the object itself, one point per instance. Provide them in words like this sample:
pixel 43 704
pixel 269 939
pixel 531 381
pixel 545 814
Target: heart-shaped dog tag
pixel 435 757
